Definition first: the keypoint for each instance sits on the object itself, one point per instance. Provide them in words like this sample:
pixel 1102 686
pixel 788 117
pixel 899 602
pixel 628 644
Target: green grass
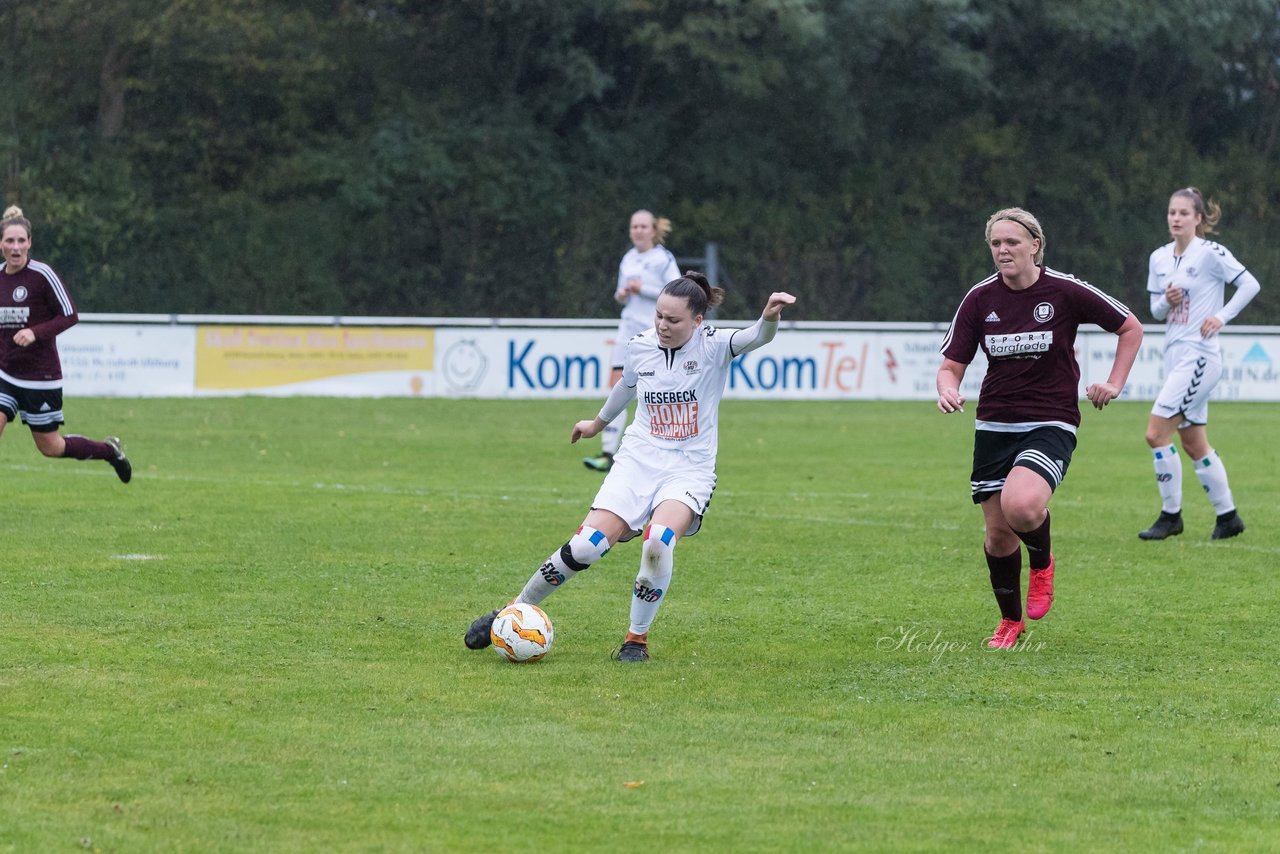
pixel 285 671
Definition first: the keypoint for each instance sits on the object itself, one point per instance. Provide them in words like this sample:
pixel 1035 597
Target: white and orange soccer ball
pixel 522 632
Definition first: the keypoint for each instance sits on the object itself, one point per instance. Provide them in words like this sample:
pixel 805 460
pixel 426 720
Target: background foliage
pixel 482 158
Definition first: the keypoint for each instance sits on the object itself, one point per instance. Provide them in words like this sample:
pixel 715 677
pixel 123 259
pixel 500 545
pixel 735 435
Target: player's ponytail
pixel 13 216
pixel 694 288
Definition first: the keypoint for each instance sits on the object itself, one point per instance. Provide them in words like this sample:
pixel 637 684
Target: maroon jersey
pixel 1029 337
pixel 33 298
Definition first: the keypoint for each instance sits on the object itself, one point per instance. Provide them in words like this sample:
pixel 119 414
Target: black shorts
pixel 40 408
pixel 1045 450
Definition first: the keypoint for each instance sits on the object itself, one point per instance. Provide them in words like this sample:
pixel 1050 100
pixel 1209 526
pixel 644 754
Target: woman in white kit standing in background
pixel 646 267
pixel 1187 282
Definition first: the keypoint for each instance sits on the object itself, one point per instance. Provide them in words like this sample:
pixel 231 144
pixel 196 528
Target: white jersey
pixel 678 392
pixel 1203 271
pixel 652 269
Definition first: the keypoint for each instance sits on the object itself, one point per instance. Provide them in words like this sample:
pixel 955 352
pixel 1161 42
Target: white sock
pixel 657 558
pixel 1169 478
pixel 583 549
pixel 1213 477
pixel 611 435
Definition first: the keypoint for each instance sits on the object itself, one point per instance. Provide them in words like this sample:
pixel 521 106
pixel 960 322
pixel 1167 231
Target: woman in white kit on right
pixel 1187 281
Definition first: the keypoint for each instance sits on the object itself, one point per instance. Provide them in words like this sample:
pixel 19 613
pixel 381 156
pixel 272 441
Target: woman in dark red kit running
pixel 1025 318
pixel 34 308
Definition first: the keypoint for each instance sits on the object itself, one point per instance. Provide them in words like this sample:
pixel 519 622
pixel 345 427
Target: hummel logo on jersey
pixel 645 373
pixel 993 318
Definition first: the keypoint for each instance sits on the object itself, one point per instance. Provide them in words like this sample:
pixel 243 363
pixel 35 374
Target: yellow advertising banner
pixel 249 357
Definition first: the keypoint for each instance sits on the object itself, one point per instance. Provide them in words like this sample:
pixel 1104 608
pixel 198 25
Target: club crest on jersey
pixel 19 293
pixel 691 367
pixel 1043 312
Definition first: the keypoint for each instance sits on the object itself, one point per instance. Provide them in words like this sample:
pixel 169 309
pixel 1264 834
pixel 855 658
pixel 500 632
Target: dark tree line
pixel 481 157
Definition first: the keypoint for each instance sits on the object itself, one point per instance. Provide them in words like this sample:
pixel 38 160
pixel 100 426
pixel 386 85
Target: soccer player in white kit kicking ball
pixel 665 470
pixel 1187 281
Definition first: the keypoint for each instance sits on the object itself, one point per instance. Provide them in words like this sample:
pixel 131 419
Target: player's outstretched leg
pixel 118 461
pixel 79 448
pixel 478 633
pixel 583 549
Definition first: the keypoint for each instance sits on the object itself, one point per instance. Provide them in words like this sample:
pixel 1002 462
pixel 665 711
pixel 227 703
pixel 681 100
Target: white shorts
pixel 642 477
pixel 1189 377
pixel 627 330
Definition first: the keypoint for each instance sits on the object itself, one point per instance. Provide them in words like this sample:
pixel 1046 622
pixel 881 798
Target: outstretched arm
pixel 1130 333
pixel 619 397
pixel 744 340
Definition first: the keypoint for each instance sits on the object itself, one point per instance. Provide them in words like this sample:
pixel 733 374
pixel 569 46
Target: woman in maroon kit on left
pixel 34 308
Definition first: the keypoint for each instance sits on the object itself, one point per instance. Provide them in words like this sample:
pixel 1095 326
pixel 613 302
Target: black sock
pixel 1037 543
pixel 1006 582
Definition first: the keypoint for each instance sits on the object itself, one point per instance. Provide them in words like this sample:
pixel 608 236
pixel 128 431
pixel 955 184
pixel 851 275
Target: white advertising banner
pixel 809 364
pixel 561 359
pixel 1249 365
pixel 128 360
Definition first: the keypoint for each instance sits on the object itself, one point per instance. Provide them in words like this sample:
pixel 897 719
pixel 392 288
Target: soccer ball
pixel 521 632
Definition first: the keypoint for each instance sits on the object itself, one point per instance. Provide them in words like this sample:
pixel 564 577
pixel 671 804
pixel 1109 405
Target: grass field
pixel 256 645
